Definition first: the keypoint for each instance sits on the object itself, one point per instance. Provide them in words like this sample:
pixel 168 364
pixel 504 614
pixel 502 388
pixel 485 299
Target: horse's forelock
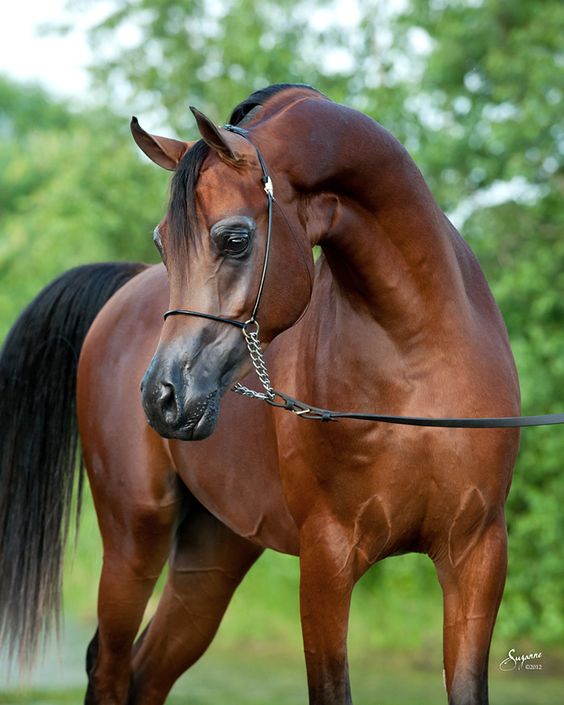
pixel 182 204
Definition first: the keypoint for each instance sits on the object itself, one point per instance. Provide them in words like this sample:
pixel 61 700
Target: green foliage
pixel 72 190
pixel 213 55
pixel 522 250
pixel 208 54
pixel 23 109
pixel 495 83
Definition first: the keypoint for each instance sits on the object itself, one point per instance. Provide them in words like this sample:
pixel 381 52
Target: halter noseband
pixel 252 321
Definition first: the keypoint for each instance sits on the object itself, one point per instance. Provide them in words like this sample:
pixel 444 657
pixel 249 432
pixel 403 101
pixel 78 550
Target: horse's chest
pixel 381 483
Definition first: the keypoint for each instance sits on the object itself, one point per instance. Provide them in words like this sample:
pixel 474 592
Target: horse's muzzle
pixel 175 407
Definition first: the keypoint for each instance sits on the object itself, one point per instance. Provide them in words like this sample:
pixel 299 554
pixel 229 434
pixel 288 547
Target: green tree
pixel 72 190
pixel 213 55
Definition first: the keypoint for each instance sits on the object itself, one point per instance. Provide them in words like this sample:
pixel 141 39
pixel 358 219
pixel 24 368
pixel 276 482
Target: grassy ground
pixel 267 676
pixel 257 657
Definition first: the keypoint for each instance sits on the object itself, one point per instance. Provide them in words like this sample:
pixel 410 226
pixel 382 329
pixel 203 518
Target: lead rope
pixel 315 413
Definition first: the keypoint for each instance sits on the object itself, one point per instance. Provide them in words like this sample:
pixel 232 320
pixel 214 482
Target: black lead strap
pixel 315 413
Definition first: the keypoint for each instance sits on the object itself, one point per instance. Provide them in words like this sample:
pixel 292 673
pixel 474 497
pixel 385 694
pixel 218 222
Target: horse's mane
pixel 247 108
pixel 182 207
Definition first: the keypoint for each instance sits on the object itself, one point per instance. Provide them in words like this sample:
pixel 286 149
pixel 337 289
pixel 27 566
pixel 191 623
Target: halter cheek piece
pixel 250 330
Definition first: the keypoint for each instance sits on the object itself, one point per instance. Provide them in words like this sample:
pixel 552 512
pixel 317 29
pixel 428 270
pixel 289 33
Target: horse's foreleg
pixel 472 592
pixel 208 563
pixel 326 583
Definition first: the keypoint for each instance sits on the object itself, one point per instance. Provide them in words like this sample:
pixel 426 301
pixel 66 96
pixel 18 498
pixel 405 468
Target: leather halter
pixel 268 188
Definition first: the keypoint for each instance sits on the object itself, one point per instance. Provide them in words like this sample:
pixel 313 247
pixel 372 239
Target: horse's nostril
pixel 167 401
pixel 166 390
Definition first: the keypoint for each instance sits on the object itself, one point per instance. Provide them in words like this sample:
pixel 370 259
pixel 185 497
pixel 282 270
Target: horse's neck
pixel 391 251
pixel 399 269
pixel 398 293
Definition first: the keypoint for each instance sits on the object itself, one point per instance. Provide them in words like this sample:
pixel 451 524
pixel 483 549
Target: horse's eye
pixel 233 237
pixel 235 244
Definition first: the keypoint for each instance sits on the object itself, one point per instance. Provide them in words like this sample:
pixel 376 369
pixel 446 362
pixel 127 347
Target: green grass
pixel 263 674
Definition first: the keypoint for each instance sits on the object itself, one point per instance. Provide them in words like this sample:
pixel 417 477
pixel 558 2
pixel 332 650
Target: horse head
pixel 234 254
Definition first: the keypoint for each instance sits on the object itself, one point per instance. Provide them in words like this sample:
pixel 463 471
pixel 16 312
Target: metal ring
pixel 247 325
pixel 278 404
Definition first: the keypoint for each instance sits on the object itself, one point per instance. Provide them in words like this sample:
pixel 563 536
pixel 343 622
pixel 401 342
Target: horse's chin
pixel 194 425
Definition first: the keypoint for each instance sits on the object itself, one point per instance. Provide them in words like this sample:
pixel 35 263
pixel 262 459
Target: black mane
pixel 259 98
pixel 182 206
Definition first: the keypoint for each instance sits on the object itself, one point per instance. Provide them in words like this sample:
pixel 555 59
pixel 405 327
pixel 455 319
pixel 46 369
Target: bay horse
pixel 395 315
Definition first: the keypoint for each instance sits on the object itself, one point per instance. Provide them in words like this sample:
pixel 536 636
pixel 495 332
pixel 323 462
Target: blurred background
pixel 474 89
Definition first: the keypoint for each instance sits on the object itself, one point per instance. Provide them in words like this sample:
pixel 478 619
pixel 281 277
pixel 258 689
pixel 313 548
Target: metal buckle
pixel 268 187
pixel 300 411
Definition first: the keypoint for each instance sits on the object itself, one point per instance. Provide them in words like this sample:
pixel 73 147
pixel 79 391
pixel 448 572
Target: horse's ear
pixel 230 147
pixel 163 151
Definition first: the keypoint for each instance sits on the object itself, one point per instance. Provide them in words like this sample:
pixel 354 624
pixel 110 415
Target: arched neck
pixel 403 272
pixel 390 248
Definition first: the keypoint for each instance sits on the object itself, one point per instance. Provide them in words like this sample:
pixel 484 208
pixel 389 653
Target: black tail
pixel 39 447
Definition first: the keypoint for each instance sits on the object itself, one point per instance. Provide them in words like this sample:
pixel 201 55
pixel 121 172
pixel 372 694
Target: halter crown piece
pixel 250 329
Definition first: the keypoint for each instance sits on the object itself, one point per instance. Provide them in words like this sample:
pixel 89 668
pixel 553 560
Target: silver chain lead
pixel 259 363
